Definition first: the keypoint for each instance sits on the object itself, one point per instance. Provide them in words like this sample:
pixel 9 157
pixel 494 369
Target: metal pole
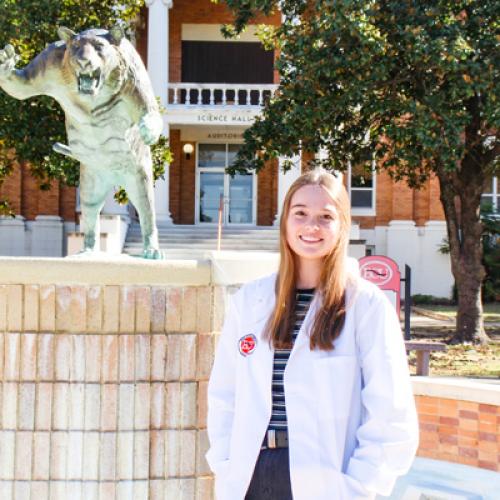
pixel 407 281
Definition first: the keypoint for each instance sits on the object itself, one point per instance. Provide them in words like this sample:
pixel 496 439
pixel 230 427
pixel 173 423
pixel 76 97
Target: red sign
pixel 383 272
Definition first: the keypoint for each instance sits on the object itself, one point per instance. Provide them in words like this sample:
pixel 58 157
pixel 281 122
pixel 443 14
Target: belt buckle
pixel 271 438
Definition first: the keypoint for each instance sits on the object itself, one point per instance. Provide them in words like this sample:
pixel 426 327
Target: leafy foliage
pixel 398 79
pixel 32 126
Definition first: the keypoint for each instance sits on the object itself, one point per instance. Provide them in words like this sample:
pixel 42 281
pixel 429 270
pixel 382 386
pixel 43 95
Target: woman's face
pixel 312 225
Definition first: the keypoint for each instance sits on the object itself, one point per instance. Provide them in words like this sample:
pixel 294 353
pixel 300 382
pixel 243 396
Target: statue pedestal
pixel 113 233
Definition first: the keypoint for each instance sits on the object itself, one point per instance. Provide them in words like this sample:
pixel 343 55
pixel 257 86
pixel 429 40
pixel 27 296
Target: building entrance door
pixel 215 189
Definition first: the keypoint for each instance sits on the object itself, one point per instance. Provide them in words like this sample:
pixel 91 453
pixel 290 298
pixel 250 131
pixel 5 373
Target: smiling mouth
pixel 307 239
pixel 89 83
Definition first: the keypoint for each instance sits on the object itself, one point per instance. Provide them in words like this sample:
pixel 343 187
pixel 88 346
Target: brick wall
pixel 267 194
pixel 141 34
pixel 103 390
pixel 464 432
pixel 182 181
pixel 436 211
pixel 384 197
pixel 26 199
pixel 174 171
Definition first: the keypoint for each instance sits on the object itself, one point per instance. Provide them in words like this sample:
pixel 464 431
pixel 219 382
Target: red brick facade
pixel 463 432
pixel 267 194
pixel 396 201
pixel 26 199
pixel 175 176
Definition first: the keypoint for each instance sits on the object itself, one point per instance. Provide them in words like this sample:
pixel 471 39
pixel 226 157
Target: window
pixel 490 200
pixel 226 62
pixel 361 187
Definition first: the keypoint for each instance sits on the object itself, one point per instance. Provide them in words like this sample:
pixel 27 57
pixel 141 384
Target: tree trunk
pixel 461 197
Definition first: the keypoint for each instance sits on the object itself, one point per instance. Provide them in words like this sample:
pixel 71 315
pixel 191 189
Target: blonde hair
pixel 330 316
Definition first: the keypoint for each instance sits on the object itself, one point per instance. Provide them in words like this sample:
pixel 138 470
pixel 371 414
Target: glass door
pixel 211 190
pixel 217 189
pixel 240 199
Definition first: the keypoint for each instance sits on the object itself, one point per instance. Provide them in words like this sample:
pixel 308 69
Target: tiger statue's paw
pixel 150 127
pixel 152 254
pixel 8 60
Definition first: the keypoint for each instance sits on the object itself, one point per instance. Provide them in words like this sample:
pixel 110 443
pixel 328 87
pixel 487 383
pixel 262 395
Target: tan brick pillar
pixel 103 387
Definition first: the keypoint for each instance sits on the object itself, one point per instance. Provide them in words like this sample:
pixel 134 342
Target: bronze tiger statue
pixel 112 118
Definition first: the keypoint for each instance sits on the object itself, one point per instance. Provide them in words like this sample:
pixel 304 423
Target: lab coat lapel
pixel 264 356
pixel 263 305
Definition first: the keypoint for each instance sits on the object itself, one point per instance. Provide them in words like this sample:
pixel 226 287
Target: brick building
pixel 212 89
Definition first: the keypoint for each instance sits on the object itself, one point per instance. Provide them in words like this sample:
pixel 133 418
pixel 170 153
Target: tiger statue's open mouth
pixel 89 83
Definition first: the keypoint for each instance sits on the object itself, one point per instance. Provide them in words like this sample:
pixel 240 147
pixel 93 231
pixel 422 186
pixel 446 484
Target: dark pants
pixel 271 477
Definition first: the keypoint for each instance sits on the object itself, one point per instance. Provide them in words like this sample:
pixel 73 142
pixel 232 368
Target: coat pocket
pixel 335 377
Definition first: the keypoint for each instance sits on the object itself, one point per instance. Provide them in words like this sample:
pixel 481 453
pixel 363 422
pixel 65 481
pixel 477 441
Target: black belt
pixel 275 439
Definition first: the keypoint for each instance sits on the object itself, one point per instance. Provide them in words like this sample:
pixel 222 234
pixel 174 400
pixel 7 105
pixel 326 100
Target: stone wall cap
pixel 402 223
pixel 435 224
pixel 484 391
pixel 106 270
pixel 237 267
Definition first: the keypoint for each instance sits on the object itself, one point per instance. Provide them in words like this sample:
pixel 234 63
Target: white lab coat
pixel 352 421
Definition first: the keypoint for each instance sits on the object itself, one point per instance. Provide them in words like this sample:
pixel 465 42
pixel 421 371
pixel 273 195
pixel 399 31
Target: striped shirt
pixel 278 420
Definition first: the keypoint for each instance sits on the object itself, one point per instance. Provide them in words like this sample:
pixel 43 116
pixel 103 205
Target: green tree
pixel 414 85
pixel 30 127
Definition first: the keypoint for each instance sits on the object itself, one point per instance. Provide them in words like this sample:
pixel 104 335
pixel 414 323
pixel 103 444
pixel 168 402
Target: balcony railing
pixel 219 94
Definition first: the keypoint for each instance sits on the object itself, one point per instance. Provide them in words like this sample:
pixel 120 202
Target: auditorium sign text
pixel 226 117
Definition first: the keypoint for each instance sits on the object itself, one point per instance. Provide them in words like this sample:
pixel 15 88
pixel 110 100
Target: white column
pixel 285 180
pixel 158 45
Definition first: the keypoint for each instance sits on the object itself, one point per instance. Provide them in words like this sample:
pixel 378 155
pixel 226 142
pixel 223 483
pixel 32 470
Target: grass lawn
pixel 491 311
pixel 464 361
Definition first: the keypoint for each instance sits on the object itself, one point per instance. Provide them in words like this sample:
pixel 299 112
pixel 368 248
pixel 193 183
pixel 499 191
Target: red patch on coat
pixel 247 344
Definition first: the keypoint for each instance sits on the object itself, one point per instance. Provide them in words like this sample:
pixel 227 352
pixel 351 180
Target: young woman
pixel 310 396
